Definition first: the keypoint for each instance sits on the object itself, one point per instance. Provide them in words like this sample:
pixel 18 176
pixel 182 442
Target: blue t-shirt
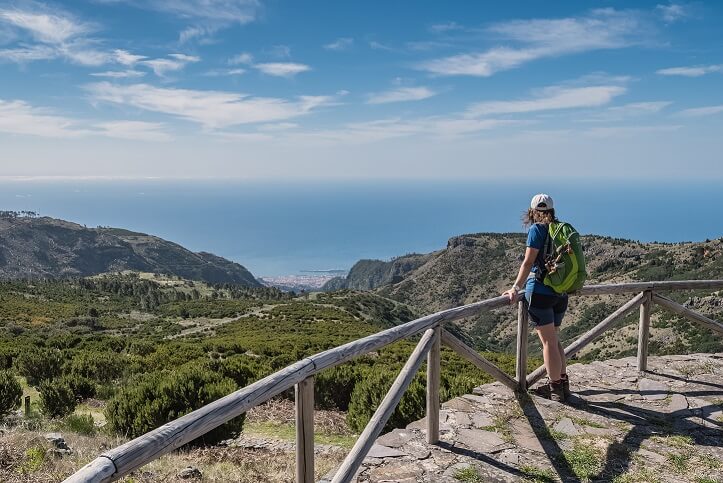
pixel 536 237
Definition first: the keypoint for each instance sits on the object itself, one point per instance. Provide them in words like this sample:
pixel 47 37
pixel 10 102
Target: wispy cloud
pixel 542 38
pixel 445 27
pixel 243 58
pixel 212 109
pixel 621 131
pixel 550 98
pixel 628 111
pixel 224 72
pixel 701 111
pixel 400 95
pixel 692 71
pixel 672 12
pixel 230 11
pixel 163 66
pixel 342 43
pixel 126 58
pixel 119 74
pixel 134 130
pixel 282 69
pixel 46 27
pixel 18 117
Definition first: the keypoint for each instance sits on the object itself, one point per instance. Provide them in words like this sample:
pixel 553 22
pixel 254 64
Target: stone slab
pixel 481 441
pixel 653 390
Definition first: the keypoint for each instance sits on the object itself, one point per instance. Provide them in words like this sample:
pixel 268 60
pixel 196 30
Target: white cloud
pixel 672 12
pixel 224 72
pixel 279 126
pixel 279 51
pixel 692 71
pixel 627 111
pixel 550 98
pixel 198 32
pixel 282 69
pixel 126 58
pixel 243 58
pixel 119 74
pixel 542 38
pixel 701 111
pixel 45 27
pixel 18 117
pixel 212 109
pixel 218 11
pixel 340 44
pixel 619 131
pixel 134 130
pixel 401 94
pixel 28 54
pixel 163 66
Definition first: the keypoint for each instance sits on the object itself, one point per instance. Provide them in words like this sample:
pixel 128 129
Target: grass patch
pixel 587 422
pixel 557 435
pixel 679 462
pixel 642 475
pixel 709 461
pixel 584 460
pixel 287 432
pixel 34 459
pixel 81 424
pixel 537 475
pixel 468 475
pixel 705 479
pixel 674 440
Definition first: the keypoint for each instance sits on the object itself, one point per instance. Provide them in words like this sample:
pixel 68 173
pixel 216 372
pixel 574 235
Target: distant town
pixel 307 280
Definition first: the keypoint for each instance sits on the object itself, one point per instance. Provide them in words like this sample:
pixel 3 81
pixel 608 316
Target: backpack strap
pixel 547 251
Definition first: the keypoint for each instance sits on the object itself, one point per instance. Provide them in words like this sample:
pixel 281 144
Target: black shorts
pixel 547 309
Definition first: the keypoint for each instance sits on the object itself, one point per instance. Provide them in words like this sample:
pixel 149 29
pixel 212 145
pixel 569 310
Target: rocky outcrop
pixel 665 425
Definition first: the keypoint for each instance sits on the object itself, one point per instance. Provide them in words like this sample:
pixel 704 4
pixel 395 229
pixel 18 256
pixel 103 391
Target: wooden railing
pixel 120 461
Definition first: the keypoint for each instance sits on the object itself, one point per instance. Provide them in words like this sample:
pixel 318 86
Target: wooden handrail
pixel 120 461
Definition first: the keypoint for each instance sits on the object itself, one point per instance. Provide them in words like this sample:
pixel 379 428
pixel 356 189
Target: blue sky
pixel 329 89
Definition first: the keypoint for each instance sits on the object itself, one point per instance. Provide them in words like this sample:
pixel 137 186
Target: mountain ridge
pixel 46 247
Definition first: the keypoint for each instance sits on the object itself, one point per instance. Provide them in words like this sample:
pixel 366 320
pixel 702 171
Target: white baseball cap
pixel 542 202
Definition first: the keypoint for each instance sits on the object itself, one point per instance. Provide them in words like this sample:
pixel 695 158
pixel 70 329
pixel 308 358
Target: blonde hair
pixel 530 217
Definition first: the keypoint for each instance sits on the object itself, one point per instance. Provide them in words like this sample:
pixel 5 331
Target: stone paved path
pixel 665 425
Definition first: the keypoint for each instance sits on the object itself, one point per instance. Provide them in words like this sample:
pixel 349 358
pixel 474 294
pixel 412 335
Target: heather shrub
pixel 56 398
pixel 39 365
pixel 151 400
pixel 10 392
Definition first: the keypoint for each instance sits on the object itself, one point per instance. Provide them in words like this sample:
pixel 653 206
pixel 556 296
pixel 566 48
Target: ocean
pixel 278 228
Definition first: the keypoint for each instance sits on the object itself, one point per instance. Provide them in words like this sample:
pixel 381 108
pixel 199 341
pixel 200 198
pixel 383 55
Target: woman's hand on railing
pixel 511 294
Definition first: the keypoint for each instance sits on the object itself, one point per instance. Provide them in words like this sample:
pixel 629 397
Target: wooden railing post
pixel 644 331
pixel 433 378
pixel 522 331
pixel 304 392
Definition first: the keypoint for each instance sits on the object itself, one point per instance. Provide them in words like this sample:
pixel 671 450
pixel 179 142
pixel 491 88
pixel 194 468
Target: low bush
pixel 154 399
pixel 81 424
pixel 10 392
pixel 56 398
pixel 37 366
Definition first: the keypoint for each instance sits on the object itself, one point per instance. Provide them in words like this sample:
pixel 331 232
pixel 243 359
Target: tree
pixel 10 392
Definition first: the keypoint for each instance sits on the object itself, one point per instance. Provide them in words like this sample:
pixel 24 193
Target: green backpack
pixel 564 260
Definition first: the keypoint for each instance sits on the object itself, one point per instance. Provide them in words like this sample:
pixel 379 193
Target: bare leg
pixel 550 350
pixel 563 359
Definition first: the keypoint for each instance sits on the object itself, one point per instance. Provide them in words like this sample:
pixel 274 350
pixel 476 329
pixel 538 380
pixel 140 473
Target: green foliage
pixel 82 387
pixel 11 392
pixel 39 365
pixel 34 459
pixel 468 475
pixel 80 423
pixel 154 399
pixel 98 366
pixel 369 392
pixel 56 398
pixel 333 388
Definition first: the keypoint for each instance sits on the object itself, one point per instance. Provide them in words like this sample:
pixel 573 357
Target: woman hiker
pixel 545 306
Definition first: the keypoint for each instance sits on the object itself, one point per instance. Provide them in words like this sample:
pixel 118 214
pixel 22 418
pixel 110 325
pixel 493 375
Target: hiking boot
pixel 557 392
pixel 566 387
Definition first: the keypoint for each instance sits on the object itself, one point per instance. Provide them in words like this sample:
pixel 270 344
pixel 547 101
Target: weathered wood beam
pixel 687 313
pixel 591 335
pixel 644 331
pixel 433 381
pixel 522 332
pixel 304 393
pixel 100 469
pixel 633 287
pixel 471 355
pixel 376 424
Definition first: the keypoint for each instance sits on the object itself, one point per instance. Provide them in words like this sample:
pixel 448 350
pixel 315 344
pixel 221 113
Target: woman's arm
pixel 525 267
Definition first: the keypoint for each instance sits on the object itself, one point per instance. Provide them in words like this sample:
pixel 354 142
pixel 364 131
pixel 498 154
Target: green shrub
pixel 10 392
pixel 99 366
pixel 56 398
pixel 154 399
pixel 82 387
pixel 40 365
pixel 80 423
pixel 333 388
pixel 235 368
pixel 369 392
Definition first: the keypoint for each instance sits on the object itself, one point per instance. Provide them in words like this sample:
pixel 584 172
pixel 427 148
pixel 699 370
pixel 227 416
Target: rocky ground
pixel 665 425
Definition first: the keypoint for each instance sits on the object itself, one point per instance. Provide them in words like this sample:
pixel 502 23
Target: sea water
pixel 280 228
